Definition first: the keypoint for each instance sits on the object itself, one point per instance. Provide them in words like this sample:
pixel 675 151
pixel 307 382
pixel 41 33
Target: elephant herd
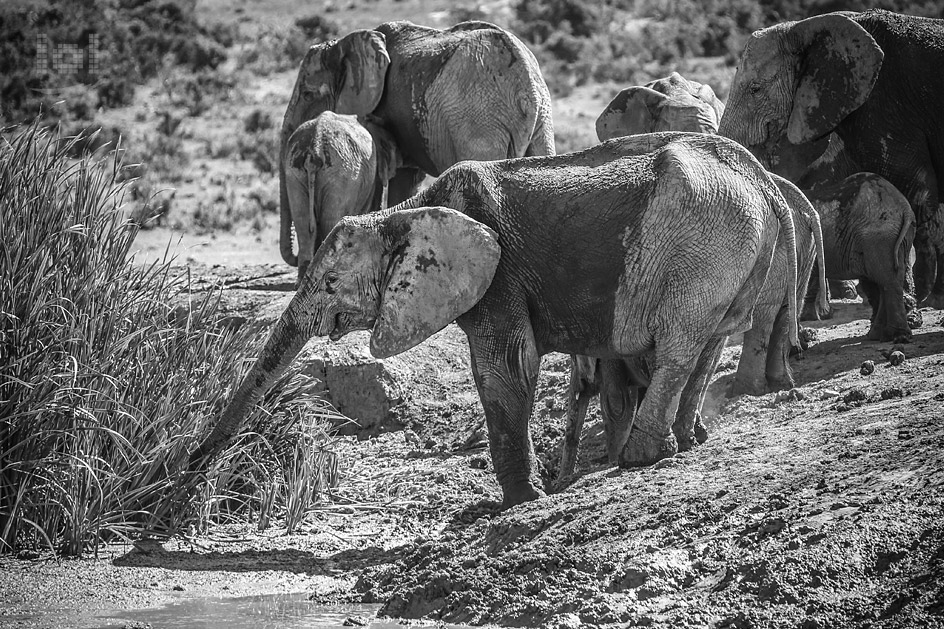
pixel 689 222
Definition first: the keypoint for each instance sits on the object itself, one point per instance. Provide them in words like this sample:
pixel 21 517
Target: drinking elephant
pixel 654 243
pixel 334 166
pixel 672 103
pixel 473 91
pixel 874 79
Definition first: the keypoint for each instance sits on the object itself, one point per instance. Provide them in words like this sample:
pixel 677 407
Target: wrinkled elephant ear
pixel 441 262
pixel 365 61
pixel 632 111
pixel 840 63
pixel 707 95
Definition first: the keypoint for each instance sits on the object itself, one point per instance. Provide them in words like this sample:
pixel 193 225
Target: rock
pixel 565 621
pixel 793 395
pixel 867 368
pixel 829 394
pixel 892 392
pixel 356 621
pixel 855 395
pixel 896 358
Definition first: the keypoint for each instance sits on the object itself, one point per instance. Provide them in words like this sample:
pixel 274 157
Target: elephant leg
pixel 584 384
pixel 688 427
pixel 404 185
pixel 777 368
pixel 873 293
pixel 896 316
pixel 505 368
pixel 618 402
pixel 912 314
pixel 651 438
pixel 936 298
pixel 305 229
pixel 751 376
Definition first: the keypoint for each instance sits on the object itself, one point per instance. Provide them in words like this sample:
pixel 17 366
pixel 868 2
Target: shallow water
pixel 277 611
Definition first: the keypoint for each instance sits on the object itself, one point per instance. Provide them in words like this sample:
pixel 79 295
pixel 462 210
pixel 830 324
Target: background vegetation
pixel 97 352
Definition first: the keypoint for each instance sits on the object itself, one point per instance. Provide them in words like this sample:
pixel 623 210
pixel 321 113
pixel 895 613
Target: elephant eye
pixel 330 279
pixel 754 88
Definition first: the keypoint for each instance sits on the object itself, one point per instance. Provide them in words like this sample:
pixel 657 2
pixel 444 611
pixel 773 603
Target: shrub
pixel 105 385
pixel 257 120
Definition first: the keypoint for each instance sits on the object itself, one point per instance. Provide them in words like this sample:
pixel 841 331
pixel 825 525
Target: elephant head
pixel 402 274
pixel 345 76
pixel 796 82
pixel 334 167
pixel 672 103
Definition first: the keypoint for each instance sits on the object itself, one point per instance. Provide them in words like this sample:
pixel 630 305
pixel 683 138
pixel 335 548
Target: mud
pixel 819 508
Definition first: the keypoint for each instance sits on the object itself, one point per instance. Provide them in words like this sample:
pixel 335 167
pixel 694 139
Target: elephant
pixel 654 243
pixel 872 78
pixel 472 91
pixel 868 230
pixel 672 103
pixel 764 364
pixel 335 166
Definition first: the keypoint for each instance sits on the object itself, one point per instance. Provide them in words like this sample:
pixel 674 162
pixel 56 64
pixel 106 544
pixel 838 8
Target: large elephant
pixel 873 78
pixel 473 91
pixel 672 103
pixel 334 167
pixel 655 243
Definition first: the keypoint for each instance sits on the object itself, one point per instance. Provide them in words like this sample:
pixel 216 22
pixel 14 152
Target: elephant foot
pixel 934 300
pixel 701 433
pixel 642 449
pixel 882 333
pixel 809 312
pixel 745 387
pixel 518 493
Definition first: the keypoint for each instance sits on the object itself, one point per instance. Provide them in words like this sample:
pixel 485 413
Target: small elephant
pixel 472 91
pixel 868 229
pixel 655 243
pixel 672 103
pixel 874 79
pixel 335 167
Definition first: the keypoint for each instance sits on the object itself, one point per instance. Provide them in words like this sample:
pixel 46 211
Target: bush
pixel 106 385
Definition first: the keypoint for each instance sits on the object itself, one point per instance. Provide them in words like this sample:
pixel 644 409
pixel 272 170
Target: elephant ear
pixel 388 155
pixel 365 61
pixel 839 62
pixel 441 262
pixel 632 111
pixel 707 95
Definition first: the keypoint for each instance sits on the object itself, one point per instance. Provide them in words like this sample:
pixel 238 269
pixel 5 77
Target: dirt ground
pixel 822 508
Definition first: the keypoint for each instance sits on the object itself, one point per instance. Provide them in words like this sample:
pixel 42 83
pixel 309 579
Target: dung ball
pixel 867 368
pixel 896 358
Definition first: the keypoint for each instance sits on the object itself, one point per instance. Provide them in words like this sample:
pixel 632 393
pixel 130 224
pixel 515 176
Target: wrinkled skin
pixel 334 167
pixel 672 103
pixel 874 79
pixel 694 215
pixel 473 91
pixel 868 229
pixel 676 104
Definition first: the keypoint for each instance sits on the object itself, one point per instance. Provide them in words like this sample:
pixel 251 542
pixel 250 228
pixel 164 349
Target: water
pixel 277 611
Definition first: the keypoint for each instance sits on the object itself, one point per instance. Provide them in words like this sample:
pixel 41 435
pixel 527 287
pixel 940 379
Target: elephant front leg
pixel 505 368
pixel 688 427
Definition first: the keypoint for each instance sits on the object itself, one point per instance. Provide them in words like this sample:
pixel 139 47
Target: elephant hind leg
pixel 584 384
pixel 619 396
pixel 688 427
pixel 652 438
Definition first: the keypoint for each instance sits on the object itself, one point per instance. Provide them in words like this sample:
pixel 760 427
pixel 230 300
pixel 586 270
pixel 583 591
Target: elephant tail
pixel 542 138
pixel 905 237
pixel 822 299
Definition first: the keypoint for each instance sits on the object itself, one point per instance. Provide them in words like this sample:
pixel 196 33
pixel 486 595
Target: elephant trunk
pixel 286 340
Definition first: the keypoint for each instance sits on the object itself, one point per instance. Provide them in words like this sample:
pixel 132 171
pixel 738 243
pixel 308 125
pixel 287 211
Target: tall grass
pixel 110 372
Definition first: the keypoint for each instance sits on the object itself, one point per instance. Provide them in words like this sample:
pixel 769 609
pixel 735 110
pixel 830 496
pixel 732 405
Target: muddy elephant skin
pixel 490 244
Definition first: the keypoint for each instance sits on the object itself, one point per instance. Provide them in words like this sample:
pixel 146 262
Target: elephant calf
pixel 654 244
pixel 334 167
